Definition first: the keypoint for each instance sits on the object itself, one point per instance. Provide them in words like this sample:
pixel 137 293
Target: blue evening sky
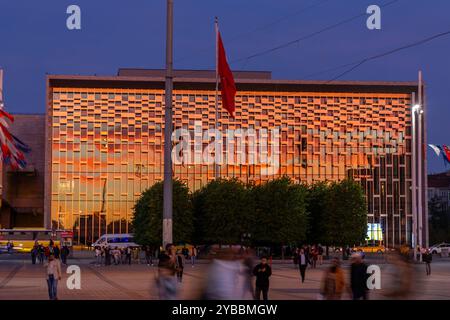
pixel 34 41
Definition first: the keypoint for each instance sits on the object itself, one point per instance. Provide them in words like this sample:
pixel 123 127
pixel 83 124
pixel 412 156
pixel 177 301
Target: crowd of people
pixel 51 256
pixel 232 272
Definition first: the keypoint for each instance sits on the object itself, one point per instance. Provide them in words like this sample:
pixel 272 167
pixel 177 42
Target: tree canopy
pixel 148 212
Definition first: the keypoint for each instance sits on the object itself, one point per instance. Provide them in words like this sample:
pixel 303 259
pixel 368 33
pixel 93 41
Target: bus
pixel 23 239
pixel 113 240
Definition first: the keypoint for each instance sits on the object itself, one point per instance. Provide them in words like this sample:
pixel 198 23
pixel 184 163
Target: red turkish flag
pixel 228 87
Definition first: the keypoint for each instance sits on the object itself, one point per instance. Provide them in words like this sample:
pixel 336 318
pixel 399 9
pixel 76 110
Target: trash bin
pixel 444 252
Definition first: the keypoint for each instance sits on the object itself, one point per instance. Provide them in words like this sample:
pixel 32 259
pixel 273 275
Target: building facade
pixel 22 194
pixel 105 137
pixel 439 189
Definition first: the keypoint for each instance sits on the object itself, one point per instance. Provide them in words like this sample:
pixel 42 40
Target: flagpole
pixel 216 165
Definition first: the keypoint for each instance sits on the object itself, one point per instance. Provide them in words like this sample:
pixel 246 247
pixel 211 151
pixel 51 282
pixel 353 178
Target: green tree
pixel 280 212
pixel 148 212
pixel 345 219
pixel 316 206
pixel 221 212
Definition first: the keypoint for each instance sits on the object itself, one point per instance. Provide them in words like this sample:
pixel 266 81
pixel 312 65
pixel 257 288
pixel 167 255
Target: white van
pixel 119 240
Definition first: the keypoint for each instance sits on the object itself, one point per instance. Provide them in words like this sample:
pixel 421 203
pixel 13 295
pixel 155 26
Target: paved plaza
pixel 19 279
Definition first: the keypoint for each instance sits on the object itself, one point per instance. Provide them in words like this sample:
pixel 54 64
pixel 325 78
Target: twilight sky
pixel 34 41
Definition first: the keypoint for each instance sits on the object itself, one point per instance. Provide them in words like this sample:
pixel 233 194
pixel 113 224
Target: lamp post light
pixel 167 236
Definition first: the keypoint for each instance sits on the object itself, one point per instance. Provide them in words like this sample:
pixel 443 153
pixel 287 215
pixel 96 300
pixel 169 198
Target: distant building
pixel 22 193
pixel 439 189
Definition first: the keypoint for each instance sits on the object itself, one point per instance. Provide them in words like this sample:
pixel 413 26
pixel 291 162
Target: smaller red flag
pixel 228 87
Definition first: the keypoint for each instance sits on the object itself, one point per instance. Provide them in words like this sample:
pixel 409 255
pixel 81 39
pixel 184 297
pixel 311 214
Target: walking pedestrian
pixel 358 277
pixel 180 265
pixel 64 254
pixel 303 261
pixel 166 274
pixel 34 253
pixel 128 255
pixel 194 253
pixel 98 256
pixel 41 253
pixel 333 281
pixel 320 254
pixel 53 274
pixel 148 255
pixel 314 256
pixel 427 258
pixel 262 271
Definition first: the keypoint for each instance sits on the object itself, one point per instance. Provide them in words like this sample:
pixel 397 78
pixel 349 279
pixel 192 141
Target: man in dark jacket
pixel 358 277
pixel 303 261
pixel 262 272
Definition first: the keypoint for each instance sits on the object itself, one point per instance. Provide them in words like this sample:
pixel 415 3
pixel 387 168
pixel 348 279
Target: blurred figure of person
pixel 303 261
pixel 248 273
pixel 9 247
pixel 295 257
pixel 262 271
pixel 64 254
pixel 427 258
pixel 41 253
pixel 225 281
pixel 194 253
pixel 34 253
pixel 107 256
pixel 320 254
pixel 128 255
pixel 185 252
pixel 397 280
pixel 358 277
pixel 166 274
pixel 117 256
pixel 180 265
pixel 136 254
pixel 56 251
pixel 314 256
pixel 98 256
pixel 333 281
pixel 53 274
pixel 148 255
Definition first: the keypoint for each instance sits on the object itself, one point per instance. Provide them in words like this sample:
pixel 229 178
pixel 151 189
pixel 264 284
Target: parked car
pixel 437 248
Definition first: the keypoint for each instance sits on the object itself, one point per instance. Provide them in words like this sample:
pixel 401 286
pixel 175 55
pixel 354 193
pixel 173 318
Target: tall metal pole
pixel 168 185
pixel 216 165
pixel 420 164
pixel 413 176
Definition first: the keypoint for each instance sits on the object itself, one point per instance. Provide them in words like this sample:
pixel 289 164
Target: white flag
pixel 436 149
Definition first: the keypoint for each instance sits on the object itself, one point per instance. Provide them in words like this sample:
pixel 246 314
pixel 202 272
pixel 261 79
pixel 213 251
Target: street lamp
pixel 168 184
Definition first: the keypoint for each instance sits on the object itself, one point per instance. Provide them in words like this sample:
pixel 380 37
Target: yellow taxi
pixel 370 248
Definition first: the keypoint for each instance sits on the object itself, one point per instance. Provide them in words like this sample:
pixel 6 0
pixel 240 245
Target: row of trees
pixel 278 212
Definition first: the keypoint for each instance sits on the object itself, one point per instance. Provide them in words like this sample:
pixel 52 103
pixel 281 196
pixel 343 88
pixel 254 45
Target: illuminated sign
pixel 374 231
